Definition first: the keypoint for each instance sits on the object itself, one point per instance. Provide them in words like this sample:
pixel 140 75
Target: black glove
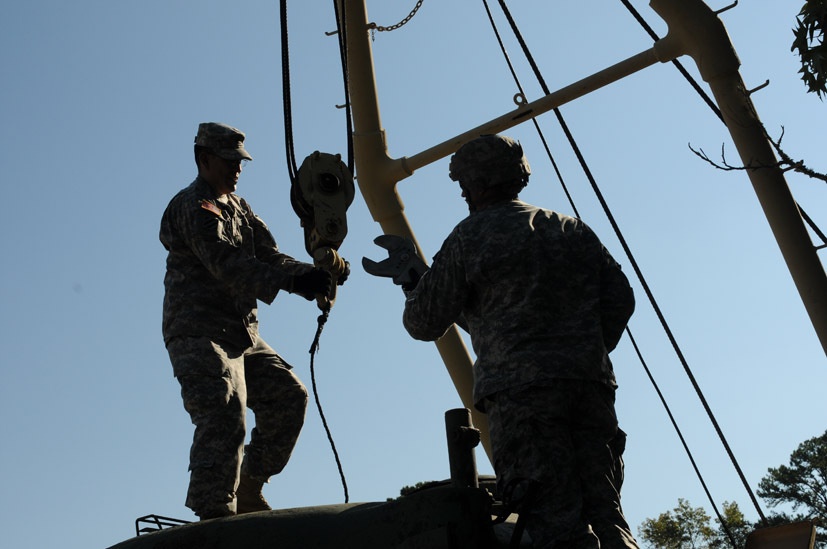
pixel 345 273
pixel 311 283
pixel 412 280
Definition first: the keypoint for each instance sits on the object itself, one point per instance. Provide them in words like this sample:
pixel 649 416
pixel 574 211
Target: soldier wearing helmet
pixel 488 167
pixel 544 303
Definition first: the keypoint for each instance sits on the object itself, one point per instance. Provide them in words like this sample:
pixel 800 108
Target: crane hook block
pixel 321 194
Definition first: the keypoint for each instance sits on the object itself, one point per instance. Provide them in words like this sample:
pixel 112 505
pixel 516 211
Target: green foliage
pixel 684 527
pixel 408 490
pixel 802 483
pixel 809 43
pixel 734 524
pixel 687 527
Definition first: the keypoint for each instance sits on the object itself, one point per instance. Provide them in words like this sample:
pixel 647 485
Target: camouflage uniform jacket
pixel 222 258
pixel 541 296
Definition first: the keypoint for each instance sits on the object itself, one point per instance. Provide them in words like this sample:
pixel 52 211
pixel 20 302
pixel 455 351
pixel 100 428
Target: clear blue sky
pixel 100 102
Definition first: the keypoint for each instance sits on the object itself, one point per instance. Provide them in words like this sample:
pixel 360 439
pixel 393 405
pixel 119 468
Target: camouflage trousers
pixel 557 450
pixel 218 383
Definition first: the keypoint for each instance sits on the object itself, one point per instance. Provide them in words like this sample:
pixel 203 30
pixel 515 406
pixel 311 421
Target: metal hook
pixel 761 87
pixel 331 33
pixel 722 10
pixel 520 100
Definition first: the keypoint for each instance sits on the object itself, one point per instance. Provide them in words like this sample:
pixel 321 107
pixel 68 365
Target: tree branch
pixel 786 163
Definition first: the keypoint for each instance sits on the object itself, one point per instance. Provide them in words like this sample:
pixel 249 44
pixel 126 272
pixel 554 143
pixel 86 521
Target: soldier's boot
pixel 214 513
pixel 249 498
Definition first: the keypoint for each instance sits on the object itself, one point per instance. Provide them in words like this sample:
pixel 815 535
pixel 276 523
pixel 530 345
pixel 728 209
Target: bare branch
pixel 786 163
pixel 723 165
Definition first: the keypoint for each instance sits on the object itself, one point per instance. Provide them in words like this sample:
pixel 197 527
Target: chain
pixel 375 27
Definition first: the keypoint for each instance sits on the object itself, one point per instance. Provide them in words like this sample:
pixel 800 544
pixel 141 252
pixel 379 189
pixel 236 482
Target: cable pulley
pixel 320 195
pixel 321 190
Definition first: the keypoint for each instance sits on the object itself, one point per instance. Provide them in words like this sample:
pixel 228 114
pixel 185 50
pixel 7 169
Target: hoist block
pixel 321 194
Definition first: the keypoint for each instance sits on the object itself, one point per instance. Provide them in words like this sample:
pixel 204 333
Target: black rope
pixel 804 215
pixel 813 226
pixel 534 120
pixel 342 27
pixel 292 171
pixel 619 235
pixel 635 266
pixel 292 167
pixel 322 320
pixel 724 525
pixel 285 85
pixel 708 101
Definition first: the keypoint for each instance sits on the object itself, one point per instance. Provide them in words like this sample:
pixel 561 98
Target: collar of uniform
pixel 203 189
pixel 497 205
pixel 205 192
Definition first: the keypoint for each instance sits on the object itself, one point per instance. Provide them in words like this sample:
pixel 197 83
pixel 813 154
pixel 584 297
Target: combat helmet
pixel 490 161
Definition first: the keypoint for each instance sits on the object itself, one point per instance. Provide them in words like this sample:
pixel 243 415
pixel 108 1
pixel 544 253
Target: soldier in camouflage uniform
pixel 222 259
pixel 544 303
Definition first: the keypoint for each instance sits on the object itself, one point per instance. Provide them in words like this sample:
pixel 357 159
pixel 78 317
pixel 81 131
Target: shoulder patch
pixel 210 207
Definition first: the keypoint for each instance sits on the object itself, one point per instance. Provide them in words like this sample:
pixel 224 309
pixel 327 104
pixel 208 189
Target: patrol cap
pixel 225 141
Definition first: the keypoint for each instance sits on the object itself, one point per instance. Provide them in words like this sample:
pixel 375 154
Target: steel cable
pixel 292 171
pixel 710 103
pixel 635 266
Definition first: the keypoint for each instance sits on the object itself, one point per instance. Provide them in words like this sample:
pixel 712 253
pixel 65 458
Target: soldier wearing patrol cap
pixel 544 303
pixel 224 141
pixel 222 260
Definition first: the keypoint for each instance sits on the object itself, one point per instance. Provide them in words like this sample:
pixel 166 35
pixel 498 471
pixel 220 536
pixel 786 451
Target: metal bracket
pixel 156 522
pixel 729 7
pixel 761 87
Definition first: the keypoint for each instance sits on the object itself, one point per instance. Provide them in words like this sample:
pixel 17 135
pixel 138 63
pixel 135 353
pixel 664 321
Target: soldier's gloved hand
pixel 411 282
pixel 311 283
pixel 345 273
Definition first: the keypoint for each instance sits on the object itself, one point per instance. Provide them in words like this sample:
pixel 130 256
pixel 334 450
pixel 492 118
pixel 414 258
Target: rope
pixel 629 254
pixel 345 77
pixel 721 521
pixel 813 226
pixel 285 85
pixel 710 103
pixel 322 320
pixel 292 171
pixel 675 62
pixel 649 30
pixel 533 120
pixel 292 168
